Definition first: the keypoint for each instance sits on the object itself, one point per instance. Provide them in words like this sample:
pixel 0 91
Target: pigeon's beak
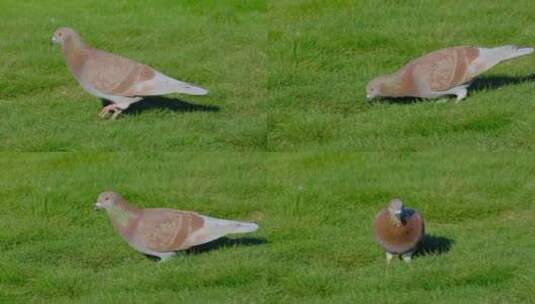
pixel 98 206
pixel 53 40
pixel 370 96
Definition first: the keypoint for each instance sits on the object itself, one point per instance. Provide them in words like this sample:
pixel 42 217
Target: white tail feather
pixel 186 88
pixel 521 52
pixel 226 226
pixel 509 52
pixel 245 227
pixel 490 57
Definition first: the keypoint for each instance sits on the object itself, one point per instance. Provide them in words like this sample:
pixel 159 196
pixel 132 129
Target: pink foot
pixel 112 109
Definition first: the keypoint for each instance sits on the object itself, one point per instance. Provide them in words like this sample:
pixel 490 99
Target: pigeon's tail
pixel 244 227
pixel 510 51
pixel 229 227
pixel 489 57
pixel 523 51
pixel 186 88
pixel 161 84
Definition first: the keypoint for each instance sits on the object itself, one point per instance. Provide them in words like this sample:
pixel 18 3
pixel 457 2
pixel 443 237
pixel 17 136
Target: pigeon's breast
pixel 396 238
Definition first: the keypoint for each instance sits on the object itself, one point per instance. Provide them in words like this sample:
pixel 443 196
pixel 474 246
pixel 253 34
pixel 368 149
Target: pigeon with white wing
pixel 443 72
pixel 114 78
pixel 161 232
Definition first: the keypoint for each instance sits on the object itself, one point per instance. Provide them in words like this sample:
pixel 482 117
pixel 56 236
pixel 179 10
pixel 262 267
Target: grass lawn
pixel 285 139
pixel 314 244
pixel 219 45
pixel 323 53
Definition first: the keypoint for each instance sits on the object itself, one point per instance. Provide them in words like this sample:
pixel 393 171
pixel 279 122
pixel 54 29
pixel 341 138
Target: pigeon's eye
pixel 59 34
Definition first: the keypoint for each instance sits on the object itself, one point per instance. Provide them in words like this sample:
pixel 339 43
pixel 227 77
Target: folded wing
pixel 115 75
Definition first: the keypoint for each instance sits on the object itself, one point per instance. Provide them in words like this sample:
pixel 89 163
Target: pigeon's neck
pixel 123 217
pixel 73 44
pixel 75 55
pixel 395 220
pixel 391 86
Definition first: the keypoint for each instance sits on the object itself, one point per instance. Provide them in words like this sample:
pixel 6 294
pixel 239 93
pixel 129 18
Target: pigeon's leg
pixel 105 110
pixel 459 91
pixel 165 256
pixel 407 257
pixel 389 257
pixel 112 108
pixel 115 114
pixel 461 94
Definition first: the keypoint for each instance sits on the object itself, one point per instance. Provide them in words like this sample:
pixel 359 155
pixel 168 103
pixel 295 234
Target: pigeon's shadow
pixel 397 100
pixel 225 242
pixel 434 245
pixel 217 244
pixel 164 103
pixel 498 81
pixel 478 84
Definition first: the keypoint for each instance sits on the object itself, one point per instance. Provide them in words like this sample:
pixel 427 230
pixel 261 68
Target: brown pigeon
pixel 443 72
pixel 161 232
pixel 398 230
pixel 114 78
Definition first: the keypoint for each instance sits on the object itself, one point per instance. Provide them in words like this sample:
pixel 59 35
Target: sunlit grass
pixel 218 45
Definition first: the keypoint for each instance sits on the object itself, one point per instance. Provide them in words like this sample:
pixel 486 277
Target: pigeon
pixel 113 78
pixel 443 72
pixel 399 230
pixel 161 232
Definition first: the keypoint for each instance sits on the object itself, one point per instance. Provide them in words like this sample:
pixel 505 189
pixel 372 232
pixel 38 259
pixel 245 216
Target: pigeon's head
pixel 397 211
pixel 107 199
pixel 374 87
pixel 62 35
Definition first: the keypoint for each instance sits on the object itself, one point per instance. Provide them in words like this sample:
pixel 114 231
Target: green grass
pixel 323 53
pixel 314 244
pixel 219 45
pixel 294 147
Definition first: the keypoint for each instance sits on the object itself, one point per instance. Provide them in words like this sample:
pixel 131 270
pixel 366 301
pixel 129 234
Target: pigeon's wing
pixel 119 76
pixel 415 229
pixel 161 84
pixel 112 74
pixel 443 69
pixel 164 230
pixel 214 228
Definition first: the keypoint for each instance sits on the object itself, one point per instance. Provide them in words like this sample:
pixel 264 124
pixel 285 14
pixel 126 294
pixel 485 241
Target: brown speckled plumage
pixel 442 69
